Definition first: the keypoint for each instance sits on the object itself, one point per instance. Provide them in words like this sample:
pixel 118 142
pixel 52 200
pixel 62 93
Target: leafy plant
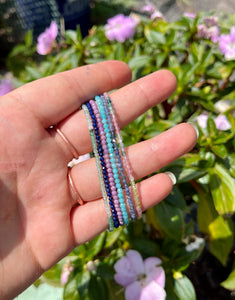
pixel 202 204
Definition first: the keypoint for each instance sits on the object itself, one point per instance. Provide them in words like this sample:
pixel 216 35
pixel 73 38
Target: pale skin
pixel 38 221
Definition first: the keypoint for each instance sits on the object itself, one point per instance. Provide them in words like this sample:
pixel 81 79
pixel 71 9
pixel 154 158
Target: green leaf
pixel 139 61
pixel 170 219
pixel 231 160
pixel 211 127
pixel 186 174
pixel 221 239
pixel 33 72
pixel 222 187
pixel 83 279
pixel 79 34
pixel 95 246
pixel 155 37
pixel 105 270
pixel 71 37
pixel 156 128
pixel 145 246
pixel 169 287
pixel 205 208
pixel 119 53
pixel 97 289
pixel 176 198
pixel 70 290
pixel 65 65
pixel 229 283
pixel 220 150
pixel 184 288
pixel 111 237
pixel 29 38
pixel 160 58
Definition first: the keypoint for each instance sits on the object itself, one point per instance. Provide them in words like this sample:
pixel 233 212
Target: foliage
pixel 202 203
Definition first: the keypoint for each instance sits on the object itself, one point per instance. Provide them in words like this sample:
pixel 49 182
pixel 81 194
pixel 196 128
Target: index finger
pixel 53 98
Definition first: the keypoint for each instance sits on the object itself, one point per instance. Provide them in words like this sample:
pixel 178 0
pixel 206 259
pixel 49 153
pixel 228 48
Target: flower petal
pixel 125 274
pixel 202 120
pixel 154 271
pixel 136 261
pixel 152 291
pixel 222 123
pixel 53 30
pixel 133 291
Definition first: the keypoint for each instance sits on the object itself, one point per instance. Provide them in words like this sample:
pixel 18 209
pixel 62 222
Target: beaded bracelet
pixel 95 150
pixel 113 160
pixel 112 163
pixel 110 175
pixel 129 171
pixel 119 160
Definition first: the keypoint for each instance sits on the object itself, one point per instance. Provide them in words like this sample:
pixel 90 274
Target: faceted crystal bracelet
pixel 129 171
pixel 110 175
pixel 112 160
pixel 102 163
pixel 119 160
pixel 93 140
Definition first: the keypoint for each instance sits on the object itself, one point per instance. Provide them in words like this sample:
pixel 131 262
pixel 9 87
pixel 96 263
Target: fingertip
pixel 191 131
pixel 195 128
pixel 170 79
pixel 154 189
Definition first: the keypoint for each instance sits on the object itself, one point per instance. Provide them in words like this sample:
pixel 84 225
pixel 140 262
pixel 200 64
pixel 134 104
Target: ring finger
pixel 145 158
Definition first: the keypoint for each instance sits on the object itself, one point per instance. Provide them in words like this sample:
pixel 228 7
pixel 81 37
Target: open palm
pixel 39 223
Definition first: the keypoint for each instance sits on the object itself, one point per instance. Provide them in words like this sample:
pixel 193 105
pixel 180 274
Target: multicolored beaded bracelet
pixel 130 175
pixel 96 154
pixel 112 163
pixel 110 174
pixel 113 160
pixel 119 160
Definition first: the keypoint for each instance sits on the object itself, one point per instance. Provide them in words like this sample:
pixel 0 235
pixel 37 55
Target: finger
pixel 53 98
pixel 145 158
pixel 129 102
pixel 90 219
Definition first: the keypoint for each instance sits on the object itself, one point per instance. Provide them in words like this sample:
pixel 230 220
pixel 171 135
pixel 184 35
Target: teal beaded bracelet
pixel 129 171
pixel 113 160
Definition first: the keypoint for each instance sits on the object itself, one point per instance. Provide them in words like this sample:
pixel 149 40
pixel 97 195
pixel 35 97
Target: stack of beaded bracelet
pixel 120 203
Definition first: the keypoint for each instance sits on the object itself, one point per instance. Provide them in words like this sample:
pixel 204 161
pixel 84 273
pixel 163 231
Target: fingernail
pixel 195 127
pixel 172 177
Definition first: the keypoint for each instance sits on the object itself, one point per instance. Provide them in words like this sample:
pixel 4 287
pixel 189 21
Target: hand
pixel 38 221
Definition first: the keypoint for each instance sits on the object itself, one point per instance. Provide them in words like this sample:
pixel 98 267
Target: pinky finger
pixel 90 219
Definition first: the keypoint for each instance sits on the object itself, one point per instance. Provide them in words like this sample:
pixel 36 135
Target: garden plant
pixel 183 247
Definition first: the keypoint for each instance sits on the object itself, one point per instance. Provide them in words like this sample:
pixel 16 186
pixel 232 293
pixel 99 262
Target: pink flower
pixel 152 11
pixel 209 29
pixel 149 8
pixel 143 279
pixel 66 270
pixel 190 15
pixel 6 86
pixel 222 123
pixel 156 15
pixel 120 28
pixel 227 44
pixel 202 120
pixel 47 38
